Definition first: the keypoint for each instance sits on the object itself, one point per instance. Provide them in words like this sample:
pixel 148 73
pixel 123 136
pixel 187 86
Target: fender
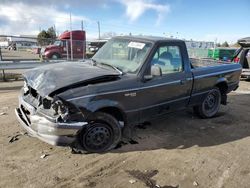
pixel 93 106
pixel 221 80
pixel 222 84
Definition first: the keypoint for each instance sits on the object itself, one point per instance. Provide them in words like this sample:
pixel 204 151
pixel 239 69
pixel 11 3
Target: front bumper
pixel 54 133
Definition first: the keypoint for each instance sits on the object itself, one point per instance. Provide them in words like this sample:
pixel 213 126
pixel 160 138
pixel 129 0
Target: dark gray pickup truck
pixel 129 80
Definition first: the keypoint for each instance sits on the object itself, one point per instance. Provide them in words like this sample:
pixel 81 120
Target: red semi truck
pixel 62 46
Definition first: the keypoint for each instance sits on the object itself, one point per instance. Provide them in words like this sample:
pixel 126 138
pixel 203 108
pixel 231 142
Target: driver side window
pixel 168 58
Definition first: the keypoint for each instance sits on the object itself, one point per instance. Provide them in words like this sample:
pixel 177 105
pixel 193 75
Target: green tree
pixel 225 44
pixel 46 37
pixel 42 38
pixel 52 33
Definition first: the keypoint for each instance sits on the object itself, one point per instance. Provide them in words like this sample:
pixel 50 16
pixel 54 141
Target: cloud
pixel 136 8
pixel 56 3
pixel 29 19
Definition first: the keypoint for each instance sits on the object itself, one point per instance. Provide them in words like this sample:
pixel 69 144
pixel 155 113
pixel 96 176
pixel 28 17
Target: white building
pixel 19 40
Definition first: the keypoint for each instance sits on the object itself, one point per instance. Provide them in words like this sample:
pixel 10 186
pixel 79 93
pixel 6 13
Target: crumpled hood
pixel 49 78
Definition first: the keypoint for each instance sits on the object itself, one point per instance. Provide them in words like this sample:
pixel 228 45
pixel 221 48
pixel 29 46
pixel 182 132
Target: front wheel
pixel 210 105
pixel 102 134
pixel 55 56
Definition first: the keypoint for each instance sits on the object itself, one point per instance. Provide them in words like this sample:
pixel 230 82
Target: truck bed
pixel 206 62
pixel 209 73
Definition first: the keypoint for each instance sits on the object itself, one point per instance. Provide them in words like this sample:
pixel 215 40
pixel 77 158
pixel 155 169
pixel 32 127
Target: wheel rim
pixel 54 56
pixel 98 138
pixel 211 103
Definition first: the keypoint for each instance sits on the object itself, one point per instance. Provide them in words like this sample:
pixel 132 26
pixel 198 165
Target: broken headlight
pixel 25 87
pixel 60 109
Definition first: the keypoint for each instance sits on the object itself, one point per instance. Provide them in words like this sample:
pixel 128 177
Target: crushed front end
pixel 52 120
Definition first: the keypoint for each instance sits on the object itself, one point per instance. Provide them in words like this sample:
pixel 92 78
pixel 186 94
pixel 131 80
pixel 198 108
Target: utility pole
pixel 4 79
pixel 55 28
pixel 83 44
pixel 99 30
pixel 71 39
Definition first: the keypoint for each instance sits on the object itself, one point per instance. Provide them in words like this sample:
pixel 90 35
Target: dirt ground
pixel 180 150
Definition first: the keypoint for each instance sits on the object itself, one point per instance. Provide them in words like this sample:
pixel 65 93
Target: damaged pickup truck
pixel 129 81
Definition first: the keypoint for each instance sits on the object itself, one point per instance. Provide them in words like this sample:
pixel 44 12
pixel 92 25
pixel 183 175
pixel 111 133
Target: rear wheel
pixel 102 134
pixel 210 105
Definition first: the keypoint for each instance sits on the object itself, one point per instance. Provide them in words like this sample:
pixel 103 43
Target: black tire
pixel 210 105
pixel 102 134
pixel 55 56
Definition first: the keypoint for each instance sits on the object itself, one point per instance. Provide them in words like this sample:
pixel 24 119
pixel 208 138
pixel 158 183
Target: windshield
pixel 57 43
pixel 124 54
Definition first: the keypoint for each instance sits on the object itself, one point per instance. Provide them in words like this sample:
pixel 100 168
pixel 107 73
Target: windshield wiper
pixel 114 67
pixel 108 65
pixel 94 63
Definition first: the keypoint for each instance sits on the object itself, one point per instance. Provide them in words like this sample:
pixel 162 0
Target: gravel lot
pixel 179 150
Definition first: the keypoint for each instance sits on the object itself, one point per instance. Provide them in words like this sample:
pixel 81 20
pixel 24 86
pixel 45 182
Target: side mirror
pixel 155 71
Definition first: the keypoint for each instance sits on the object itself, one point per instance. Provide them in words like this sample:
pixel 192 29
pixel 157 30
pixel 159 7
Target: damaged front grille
pixel 32 97
pixel 26 113
pixel 54 109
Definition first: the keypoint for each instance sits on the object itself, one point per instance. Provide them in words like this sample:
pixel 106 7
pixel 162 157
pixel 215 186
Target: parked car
pixel 93 46
pixel 242 57
pixel 129 80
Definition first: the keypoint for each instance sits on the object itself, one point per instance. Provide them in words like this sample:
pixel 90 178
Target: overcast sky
pixel 192 19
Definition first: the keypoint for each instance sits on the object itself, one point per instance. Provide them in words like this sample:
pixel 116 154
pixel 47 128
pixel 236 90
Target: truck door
pixel 78 48
pixel 172 90
pixel 64 48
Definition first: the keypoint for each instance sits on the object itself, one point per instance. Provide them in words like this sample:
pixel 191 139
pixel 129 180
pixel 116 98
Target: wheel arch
pixel 223 87
pixel 110 107
pixel 115 111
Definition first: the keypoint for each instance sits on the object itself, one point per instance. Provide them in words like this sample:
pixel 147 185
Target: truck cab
pixel 61 48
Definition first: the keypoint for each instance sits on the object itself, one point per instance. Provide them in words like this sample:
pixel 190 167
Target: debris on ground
pixel 17 136
pixel 195 183
pixel 76 164
pixel 146 178
pixel 133 142
pixel 120 144
pixel 132 181
pixel 3 113
pixel 75 150
pixel 44 156
pixel 14 138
